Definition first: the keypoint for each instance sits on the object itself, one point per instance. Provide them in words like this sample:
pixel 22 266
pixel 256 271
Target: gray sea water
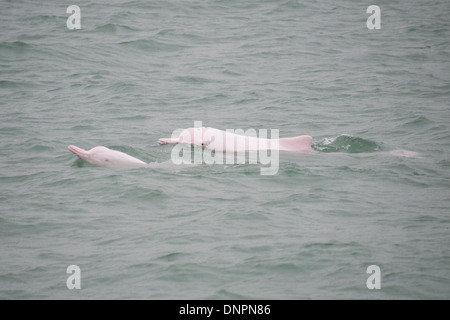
pixel 376 192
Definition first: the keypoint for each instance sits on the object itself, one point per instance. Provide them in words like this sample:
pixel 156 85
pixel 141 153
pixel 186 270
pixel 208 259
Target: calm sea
pixel 376 192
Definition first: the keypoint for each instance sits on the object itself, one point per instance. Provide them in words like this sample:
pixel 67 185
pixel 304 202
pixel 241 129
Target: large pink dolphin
pixel 220 140
pixel 104 157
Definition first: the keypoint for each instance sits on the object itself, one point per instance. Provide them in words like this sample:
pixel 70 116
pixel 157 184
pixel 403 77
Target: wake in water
pixel 348 144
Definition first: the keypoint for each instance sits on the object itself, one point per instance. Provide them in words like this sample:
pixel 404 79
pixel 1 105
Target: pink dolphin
pixel 104 157
pixel 220 140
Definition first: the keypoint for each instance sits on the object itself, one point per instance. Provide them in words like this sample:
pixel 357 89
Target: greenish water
pixel 376 192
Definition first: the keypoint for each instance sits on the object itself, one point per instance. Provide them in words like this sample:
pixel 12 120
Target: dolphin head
pixel 98 156
pixel 192 136
pixel 104 157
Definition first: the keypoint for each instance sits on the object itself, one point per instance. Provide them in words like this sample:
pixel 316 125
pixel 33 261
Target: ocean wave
pixel 346 143
pixel 149 45
pixel 14 47
pixel 114 28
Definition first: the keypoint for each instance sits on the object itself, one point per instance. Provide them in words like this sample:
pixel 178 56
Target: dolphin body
pixel 104 157
pixel 220 140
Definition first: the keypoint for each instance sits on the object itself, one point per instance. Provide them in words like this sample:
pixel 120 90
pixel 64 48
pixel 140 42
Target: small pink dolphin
pixel 104 157
pixel 220 140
